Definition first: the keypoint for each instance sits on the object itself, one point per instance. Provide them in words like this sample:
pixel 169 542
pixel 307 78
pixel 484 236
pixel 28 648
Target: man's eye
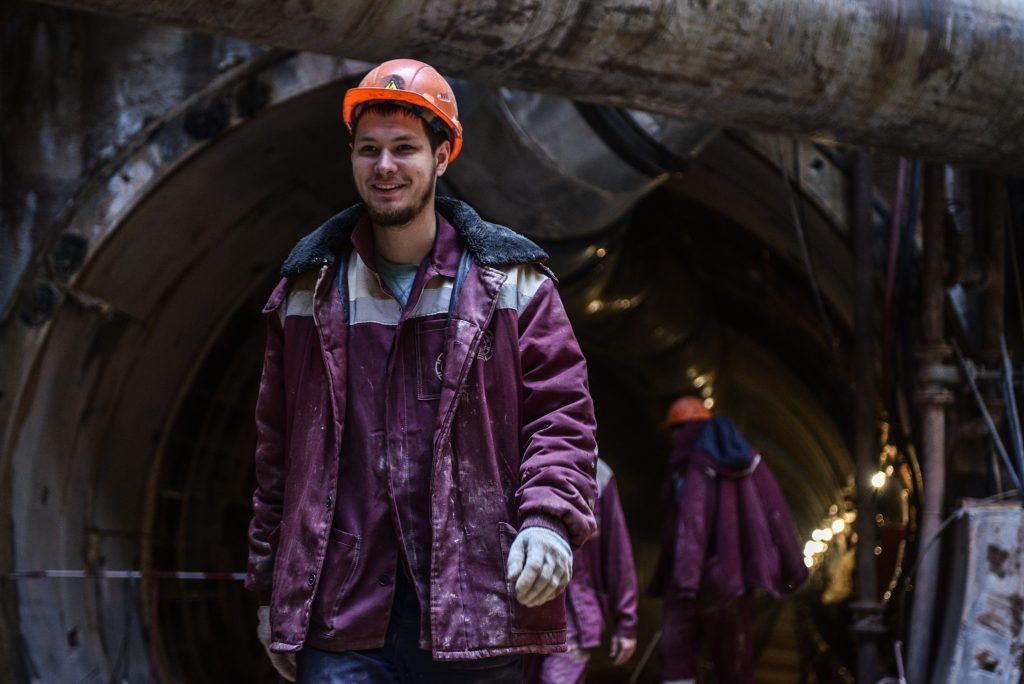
pixel 367 149
pixel 405 147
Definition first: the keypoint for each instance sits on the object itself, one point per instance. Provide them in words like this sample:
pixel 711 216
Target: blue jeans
pixel 401 660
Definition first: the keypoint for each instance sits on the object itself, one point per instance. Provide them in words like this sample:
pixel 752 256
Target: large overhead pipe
pixel 937 79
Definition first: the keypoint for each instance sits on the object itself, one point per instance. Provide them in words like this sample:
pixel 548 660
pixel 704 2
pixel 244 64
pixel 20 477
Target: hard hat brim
pixel 679 420
pixel 357 96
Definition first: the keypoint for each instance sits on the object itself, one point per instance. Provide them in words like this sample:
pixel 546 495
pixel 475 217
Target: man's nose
pixel 385 164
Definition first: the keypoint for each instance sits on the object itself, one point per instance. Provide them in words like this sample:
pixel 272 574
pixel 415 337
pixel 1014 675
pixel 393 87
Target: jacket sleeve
pixel 793 572
pixel 270 446
pixel 617 563
pixel 559 466
pixel 697 501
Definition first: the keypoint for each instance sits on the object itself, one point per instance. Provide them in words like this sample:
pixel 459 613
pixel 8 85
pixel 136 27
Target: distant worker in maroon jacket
pixel 425 437
pixel 729 531
pixel 603 591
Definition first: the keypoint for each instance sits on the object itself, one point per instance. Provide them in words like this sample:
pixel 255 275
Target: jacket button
pixel 330 500
pixel 311 580
pixel 384 580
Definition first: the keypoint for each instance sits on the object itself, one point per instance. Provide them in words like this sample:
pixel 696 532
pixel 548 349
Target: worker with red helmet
pixel 728 531
pixel 425 435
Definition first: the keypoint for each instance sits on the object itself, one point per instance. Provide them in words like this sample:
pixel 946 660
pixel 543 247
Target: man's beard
pixel 400 216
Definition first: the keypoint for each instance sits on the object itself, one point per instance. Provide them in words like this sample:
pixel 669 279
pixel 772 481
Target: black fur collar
pixel 488 243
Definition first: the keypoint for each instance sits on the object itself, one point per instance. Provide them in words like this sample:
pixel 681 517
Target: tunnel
pixel 728 277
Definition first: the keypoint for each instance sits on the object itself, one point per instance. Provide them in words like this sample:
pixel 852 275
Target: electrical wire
pixel 1015 211
pixel 648 652
pixel 796 211
pixel 956 515
pixel 968 370
pixel 1010 400
pixel 895 231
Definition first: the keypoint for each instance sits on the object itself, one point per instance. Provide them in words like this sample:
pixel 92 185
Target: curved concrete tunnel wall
pixel 187 232
pixel 174 263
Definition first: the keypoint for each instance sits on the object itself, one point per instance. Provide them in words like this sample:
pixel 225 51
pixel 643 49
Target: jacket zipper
pixel 316 289
pixel 330 378
pixel 323 345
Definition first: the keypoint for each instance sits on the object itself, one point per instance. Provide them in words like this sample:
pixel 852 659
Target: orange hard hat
pixel 685 409
pixel 411 82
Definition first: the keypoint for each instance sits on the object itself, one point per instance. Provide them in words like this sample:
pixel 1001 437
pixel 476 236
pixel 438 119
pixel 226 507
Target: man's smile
pixel 387 189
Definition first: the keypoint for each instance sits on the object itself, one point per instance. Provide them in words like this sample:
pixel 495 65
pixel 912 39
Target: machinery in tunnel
pixel 680 268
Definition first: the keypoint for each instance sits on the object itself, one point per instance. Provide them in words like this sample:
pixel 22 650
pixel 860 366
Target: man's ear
pixel 441 156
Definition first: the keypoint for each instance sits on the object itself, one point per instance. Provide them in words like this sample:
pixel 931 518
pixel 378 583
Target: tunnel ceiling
pixel 703 281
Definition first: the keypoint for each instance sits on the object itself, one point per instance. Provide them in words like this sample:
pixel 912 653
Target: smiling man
pixel 425 455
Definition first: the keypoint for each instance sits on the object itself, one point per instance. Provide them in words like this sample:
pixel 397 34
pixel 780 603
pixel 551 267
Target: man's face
pixel 394 169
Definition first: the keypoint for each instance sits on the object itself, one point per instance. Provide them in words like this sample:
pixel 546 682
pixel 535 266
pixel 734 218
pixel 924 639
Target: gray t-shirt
pixel 398 277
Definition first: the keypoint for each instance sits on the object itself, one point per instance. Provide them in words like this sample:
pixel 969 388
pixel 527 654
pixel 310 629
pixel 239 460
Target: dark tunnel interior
pixel 697 291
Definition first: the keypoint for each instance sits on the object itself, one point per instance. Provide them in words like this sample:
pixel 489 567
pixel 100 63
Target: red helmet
pixel 685 409
pixel 412 82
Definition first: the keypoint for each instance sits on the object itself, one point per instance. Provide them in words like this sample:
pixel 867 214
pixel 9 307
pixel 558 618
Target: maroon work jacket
pixel 513 443
pixel 729 526
pixel 604 587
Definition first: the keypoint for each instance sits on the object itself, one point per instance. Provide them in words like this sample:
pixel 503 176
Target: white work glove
pixel 284 663
pixel 540 563
pixel 622 649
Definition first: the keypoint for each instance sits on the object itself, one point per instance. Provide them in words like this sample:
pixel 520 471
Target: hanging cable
pixel 795 209
pixel 648 652
pixel 890 384
pixel 895 232
pixel 969 372
pixel 1010 399
pixel 955 515
pixel 1013 191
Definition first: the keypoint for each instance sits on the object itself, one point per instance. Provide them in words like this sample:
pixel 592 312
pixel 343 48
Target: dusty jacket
pixel 513 443
pixel 729 526
pixel 604 586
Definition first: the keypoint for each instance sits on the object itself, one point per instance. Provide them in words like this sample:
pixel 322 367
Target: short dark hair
pixel 391 109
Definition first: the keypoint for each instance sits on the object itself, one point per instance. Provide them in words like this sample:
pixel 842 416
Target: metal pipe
pixel 930 79
pixel 933 397
pixel 867 624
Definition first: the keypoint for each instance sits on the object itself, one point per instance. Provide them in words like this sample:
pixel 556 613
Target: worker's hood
pixel 716 443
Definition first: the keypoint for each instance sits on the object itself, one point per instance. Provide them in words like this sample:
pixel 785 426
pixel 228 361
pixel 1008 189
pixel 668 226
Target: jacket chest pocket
pixel 429 359
pixel 338 571
pixel 549 617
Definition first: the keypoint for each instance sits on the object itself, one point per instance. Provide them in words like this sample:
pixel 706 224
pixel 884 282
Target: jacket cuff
pixel 625 632
pixel 548 522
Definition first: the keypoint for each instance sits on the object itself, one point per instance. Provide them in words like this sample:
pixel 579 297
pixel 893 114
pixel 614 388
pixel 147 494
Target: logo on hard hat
pixel 395 83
